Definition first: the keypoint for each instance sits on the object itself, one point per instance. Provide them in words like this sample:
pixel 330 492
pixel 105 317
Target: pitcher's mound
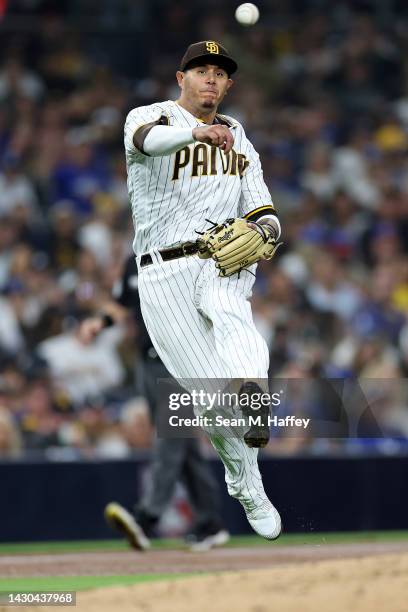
pixel 338 585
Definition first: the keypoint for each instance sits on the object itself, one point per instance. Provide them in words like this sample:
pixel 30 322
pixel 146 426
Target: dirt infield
pixel 333 578
pixel 363 585
pixel 179 561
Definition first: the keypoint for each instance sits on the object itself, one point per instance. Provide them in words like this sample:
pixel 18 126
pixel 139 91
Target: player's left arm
pixel 255 202
pixel 236 244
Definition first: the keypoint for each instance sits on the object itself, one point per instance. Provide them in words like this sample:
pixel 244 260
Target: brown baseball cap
pixel 211 51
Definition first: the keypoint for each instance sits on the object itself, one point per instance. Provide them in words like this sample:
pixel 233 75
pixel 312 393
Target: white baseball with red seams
pixel 201 324
pixel 247 14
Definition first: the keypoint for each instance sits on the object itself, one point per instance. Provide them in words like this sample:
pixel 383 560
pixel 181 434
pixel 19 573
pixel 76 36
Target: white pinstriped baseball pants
pixel 202 328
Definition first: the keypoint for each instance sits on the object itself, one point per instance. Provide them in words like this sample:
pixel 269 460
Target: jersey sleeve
pixel 137 118
pixel 255 201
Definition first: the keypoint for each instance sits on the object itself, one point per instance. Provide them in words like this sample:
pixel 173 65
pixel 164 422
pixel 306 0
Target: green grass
pixel 319 539
pixel 79 546
pixel 286 540
pixel 78 583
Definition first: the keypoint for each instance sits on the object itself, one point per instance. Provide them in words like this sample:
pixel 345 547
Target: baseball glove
pixel 236 244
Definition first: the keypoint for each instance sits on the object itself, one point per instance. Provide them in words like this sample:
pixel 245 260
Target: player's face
pixel 204 86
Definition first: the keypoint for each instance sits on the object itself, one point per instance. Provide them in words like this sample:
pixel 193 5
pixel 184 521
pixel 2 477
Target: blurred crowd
pixel 323 95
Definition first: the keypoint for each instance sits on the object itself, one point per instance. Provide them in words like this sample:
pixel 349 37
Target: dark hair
pixel 202 61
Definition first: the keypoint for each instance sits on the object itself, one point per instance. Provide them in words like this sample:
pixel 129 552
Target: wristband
pixel 273 224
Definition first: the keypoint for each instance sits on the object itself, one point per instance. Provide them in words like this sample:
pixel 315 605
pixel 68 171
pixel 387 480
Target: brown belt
pixel 182 250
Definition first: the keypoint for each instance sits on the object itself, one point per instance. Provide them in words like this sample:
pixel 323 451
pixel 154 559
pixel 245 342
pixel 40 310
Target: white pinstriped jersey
pixel 171 196
pixel 201 324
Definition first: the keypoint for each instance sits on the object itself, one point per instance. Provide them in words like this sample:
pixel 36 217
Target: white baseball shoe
pixel 263 517
pixel 210 540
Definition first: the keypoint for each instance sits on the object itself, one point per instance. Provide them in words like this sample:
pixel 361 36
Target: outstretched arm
pixel 159 140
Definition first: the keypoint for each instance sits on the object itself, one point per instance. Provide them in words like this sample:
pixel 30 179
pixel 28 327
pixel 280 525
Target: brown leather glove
pixel 236 244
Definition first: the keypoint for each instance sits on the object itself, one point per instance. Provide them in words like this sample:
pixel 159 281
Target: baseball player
pixel 174 459
pixel 203 218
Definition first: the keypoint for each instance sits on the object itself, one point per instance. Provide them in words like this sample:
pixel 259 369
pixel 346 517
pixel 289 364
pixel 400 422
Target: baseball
pixel 247 14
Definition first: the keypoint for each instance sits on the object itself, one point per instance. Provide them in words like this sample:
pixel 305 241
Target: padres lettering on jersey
pixel 172 196
pixel 203 161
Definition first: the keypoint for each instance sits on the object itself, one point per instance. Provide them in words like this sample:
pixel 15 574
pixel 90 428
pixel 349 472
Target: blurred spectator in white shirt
pixel 83 371
pixel 11 337
pixel 15 80
pixel 330 291
pixel 16 190
pixel 352 170
pixel 318 176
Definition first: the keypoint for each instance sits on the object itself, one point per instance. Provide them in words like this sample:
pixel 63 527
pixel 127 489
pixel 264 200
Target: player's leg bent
pixel 226 302
pixel 195 341
pixel 244 483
